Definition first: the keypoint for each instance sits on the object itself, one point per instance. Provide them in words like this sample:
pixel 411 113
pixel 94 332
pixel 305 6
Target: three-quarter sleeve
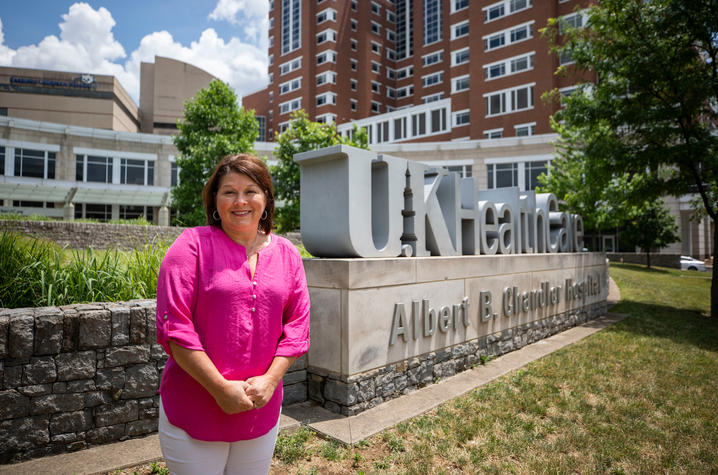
pixel 177 294
pixel 295 317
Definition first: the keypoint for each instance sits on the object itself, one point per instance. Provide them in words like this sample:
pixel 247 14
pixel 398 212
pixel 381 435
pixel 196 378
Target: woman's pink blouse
pixel 208 301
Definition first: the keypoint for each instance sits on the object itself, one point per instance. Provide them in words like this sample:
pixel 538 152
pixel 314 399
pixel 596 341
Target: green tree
pixel 651 227
pixel 213 126
pixel 301 136
pixel 651 115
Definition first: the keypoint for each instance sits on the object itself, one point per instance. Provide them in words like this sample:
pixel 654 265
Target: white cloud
pixel 87 44
pixel 252 14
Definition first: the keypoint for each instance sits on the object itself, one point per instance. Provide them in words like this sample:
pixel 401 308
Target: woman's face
pixel 240 203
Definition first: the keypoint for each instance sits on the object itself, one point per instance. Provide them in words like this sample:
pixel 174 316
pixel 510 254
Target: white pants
pixel 187 456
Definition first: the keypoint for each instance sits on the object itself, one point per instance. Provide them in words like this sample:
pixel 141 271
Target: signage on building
pixel 355 203
pixel 85 81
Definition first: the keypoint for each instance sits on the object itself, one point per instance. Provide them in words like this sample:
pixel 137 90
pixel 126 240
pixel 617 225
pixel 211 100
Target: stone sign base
pixel 382 328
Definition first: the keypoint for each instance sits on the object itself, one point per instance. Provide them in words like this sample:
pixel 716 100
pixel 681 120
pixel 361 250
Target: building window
pixel 353 104
pixel 353 24
pixel 290 66
pixel 509 66
pixel 433 79
pixel 327 35
pixel 328 56
pixel 460 57
pixel 432 21
pixel 34 163
pixel 390 73
pixel 494 134
pixel 326 15
pixel 327 118
pixel 376 67
pixel 2 160
pixel 353 43
pixel 375 8
pixel 290 86
pixel 390 17
pixel 354 5
pixel 503 8
pixel 532 171
pixel 404 30
pixel 460 84
pixel 418 124
pixel 502 175
pixel 438 120
pixel 291 25
pixel 375 28
pixel 460 29
pixel 390 92
pixel 353 84
pixel 433 58
pixel 289 106
pixel 382 132
pixel 405 91
pixel 353 64
pixel 404 73
pixel 100 212
pixel 375 47
pixel 433 98
pixel 461 118
pixel 508 36
pixel 326 98
pixel 3 111
pixel 575 20
pixel 93 169
pixel 137 172
pixel 375 107
pixel 271 78
pixel 327 77
pixel 400 128
pixel 457 5
pixel 262 123
pixel 375 87
pixel 510 100
pixel 174 168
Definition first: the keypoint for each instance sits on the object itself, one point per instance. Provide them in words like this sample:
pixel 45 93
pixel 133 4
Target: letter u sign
pixel 351 202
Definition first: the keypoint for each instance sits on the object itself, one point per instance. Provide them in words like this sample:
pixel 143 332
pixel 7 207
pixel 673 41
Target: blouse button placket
pixel 254 295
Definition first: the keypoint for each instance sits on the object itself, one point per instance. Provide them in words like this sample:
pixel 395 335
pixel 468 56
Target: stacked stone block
pixel 95 235
pixel 350 396
pixel 82 375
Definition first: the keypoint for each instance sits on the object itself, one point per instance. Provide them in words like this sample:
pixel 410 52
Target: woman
pixel 233 314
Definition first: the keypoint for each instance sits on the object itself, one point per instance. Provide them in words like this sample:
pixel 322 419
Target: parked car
pixel 688 263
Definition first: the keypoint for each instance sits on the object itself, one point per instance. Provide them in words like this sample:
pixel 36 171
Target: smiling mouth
pixel 241 213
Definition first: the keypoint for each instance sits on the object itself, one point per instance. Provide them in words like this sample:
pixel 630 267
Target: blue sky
pixel 224 37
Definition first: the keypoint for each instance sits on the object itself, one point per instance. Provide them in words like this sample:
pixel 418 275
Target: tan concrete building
pixel 164 87
pixel 82 99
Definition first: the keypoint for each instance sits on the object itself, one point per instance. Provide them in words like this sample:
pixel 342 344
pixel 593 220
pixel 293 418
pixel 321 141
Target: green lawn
pixel 638 397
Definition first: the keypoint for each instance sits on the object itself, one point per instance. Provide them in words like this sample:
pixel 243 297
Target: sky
pixel 226 38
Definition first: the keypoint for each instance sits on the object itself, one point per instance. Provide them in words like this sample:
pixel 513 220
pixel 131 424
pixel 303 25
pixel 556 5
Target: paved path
pixel 348 430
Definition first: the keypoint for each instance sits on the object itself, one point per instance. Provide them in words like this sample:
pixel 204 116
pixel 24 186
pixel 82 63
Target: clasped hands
pixel 240 396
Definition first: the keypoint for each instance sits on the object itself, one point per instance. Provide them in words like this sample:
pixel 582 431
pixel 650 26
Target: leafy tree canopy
pixel 649 119
pixel 301 136
pixel 651 227
pixel 213 126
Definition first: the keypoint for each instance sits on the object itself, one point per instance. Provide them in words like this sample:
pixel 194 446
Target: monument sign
pixel 421 273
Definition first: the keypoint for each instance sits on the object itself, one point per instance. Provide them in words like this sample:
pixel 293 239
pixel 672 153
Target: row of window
pixel 522 174
pixel 33 163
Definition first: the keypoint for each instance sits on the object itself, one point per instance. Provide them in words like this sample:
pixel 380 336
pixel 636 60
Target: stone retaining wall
pixel 82 375
pixel 95 235
pixel 350 396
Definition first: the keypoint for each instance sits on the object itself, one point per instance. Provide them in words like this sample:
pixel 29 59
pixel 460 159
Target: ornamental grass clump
pixel 38 273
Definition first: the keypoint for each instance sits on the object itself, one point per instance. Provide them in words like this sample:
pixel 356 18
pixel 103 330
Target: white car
pixel 688 263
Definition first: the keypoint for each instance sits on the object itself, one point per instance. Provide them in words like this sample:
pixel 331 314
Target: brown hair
pixel 250 166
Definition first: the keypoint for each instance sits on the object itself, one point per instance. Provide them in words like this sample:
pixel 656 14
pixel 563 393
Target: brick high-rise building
pixel 413 70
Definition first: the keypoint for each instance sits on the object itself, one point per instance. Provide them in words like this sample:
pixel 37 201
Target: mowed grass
pixel 638 397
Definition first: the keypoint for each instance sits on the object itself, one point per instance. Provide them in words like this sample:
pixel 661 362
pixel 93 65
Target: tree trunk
pixel 648 258
pixel 714 278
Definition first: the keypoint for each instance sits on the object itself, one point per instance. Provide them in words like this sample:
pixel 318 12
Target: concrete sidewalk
pixel 348 430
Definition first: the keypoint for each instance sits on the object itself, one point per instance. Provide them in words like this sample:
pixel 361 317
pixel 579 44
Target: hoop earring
pixel 265 214
pixel 215 215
